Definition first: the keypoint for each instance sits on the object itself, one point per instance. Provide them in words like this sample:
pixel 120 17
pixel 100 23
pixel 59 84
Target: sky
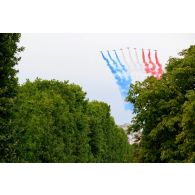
pixel 76 57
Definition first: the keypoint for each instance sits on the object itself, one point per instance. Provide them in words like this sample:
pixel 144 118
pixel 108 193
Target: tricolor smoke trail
pixel 120 72
pixel 121 76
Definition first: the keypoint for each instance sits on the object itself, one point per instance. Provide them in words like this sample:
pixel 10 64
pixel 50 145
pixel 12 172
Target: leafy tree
pixel 165 112
pixel 49 125
pixel 54 122
pixel 97 113
pixel 121 149
pixel 108 142
pixel 8 87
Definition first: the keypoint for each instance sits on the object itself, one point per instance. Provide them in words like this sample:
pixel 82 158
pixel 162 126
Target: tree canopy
pixel 8 86
pixel 165 111
pixel 54 122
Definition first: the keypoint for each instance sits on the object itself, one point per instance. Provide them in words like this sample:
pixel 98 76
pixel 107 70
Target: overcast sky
pixel 76 57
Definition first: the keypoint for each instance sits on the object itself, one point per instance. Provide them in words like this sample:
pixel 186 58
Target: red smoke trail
pixel 160 70
pixel 147 69
pixel 152 70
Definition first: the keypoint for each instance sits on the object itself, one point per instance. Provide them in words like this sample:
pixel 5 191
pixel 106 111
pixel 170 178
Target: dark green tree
pixel 165 112
pixel 9 50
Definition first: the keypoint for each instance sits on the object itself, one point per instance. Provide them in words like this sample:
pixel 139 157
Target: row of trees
pixel 165 113
pixel 52 121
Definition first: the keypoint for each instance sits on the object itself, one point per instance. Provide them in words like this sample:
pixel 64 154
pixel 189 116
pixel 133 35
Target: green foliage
pixel 186 138
pixel 53 122
pixel 97 116
pixel 8 87
pixel 49 124
pixel 108 142
pixel 165 112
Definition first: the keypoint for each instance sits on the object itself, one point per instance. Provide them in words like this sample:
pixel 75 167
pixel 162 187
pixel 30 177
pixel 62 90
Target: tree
pixel 108 142
pixel 54 122
pixel 8 86
pixel 98 112
pixel 165 112
pixel 49 124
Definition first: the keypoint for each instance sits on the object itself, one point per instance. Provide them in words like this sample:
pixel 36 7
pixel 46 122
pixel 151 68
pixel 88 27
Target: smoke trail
pixel 124 58
pixel 124 71
pixel 114 62
pixel 127 77
pixel 120 81
pixel 147 69
pixel 120 63
pixel 153 72
pixel 136 65
pixel 160 70
pixel 138 61
pixel 131 69
pixel 119 78
pixel 124 82
pixel 131 58
pixel 126 61
pixel 118 69
pixel 108 63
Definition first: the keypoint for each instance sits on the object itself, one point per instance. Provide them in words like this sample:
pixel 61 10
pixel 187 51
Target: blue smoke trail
pixel 114 62
pixel 115 71
pixel 108 63
pixel 124 82
pixel 123 66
